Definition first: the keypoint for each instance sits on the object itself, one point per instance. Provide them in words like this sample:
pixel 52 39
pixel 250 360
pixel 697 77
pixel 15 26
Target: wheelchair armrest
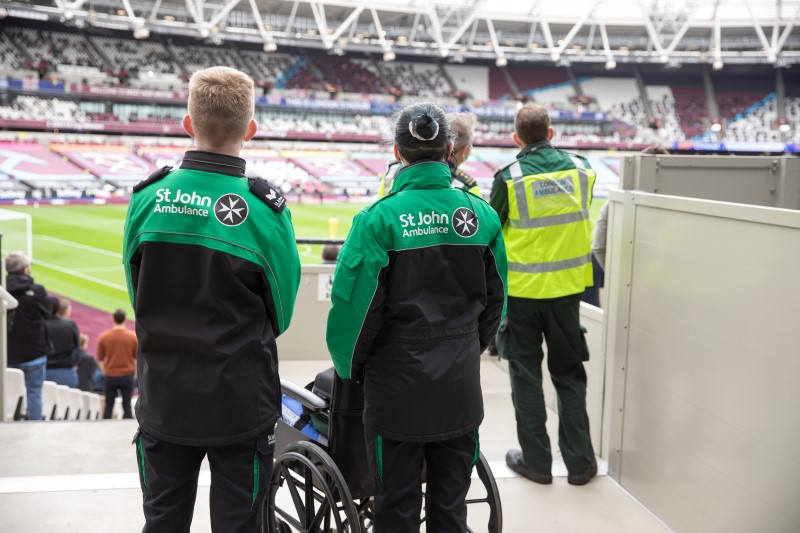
pixel 308 399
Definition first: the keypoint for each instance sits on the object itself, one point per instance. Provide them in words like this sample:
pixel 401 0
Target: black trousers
pixel 240 475
pixel 557 322
pixel 397 467
pixel 123 384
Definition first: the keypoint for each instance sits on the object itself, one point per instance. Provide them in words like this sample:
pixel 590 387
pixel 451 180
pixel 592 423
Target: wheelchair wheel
pixel 486 500
pixel 483 504
pixel 308 494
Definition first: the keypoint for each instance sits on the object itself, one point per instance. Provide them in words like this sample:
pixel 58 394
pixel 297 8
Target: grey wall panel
pixel 753 180
pixel 305 338
pixel 710 347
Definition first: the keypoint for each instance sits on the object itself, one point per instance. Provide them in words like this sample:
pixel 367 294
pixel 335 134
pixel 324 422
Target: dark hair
pixel 532 123
pixel 119 316
pixel 422 133
pixel 330 252
pixel 54 305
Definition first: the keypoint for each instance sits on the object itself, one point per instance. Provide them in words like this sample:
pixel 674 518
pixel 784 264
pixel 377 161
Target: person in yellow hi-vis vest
pixel 543 201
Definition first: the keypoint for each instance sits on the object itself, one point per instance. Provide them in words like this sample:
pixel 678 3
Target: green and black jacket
pixel 212 273
pixel 418 293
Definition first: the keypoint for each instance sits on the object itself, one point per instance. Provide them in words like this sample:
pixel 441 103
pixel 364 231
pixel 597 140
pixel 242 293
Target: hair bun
pixel 423 127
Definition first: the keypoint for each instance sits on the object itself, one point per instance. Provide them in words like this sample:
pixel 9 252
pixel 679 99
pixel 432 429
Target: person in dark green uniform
pixel 418 293
pixel 463 127
pixel 543 201
pixel 212 270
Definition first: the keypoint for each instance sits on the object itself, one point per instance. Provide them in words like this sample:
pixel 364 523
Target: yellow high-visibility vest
pixel 548 232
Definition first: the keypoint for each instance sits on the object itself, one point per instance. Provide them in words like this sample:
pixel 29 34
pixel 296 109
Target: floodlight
pixel 717 64
pixel 388 56
pixel 3 12
pixel 141 33
pixel 611 64
pixel 501 62
pixel 270 47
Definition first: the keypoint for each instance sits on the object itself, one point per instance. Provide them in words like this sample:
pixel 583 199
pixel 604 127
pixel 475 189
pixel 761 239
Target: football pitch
pixel 77 249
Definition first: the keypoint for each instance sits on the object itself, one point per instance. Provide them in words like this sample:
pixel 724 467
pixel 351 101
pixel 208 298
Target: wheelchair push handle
pixel 308 399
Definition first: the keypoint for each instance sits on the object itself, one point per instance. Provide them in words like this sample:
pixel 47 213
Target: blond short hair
pixel 532 123
pixel 221 104
pixel 463 127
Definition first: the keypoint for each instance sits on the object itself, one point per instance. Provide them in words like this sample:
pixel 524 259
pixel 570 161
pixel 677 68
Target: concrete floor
pixel 82 476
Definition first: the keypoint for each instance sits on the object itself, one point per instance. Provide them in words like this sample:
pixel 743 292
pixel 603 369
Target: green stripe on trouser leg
pixel 256 475
pixel 140 464
pixel 477 454
pixel 379 455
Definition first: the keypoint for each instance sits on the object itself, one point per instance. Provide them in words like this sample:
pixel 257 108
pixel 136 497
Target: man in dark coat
pixel 27 337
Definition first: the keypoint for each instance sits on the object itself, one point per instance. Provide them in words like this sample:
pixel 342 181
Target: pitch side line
pixel 80 246
pixel 80 275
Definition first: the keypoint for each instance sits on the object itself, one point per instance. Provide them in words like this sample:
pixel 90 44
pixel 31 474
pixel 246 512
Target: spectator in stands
pixel 414 306
pixel 116 354
pixel 543 199
pixel 592 294
pixel 27 334
pixel 64 338
pixel 463 127
pixel 90 377
pixel 208 312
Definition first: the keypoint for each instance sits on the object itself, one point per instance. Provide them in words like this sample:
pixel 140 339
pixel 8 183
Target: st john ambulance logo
pixel 231 209
pixel 465 223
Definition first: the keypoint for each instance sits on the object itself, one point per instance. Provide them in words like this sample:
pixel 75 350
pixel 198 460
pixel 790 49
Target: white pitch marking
pixel 80 246
pixel 99 269
pixel 80 275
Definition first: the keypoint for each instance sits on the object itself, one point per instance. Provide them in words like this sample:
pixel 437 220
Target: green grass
pixel 77 249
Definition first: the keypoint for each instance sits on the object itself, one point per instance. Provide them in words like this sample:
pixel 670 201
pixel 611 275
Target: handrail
pixel 9 301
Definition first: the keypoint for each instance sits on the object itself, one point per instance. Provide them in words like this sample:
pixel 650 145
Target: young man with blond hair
pixel 212 271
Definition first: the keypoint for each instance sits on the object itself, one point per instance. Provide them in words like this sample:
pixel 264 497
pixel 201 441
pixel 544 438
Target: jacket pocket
pixel 349 263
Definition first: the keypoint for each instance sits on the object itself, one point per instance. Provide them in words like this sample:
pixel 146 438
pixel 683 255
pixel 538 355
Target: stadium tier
pixel 56 77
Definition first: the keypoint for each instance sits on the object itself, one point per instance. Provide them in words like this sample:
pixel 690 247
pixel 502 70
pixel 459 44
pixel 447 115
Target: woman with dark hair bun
pixel 418 294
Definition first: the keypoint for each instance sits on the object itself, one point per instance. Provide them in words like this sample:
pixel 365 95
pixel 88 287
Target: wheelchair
pixel 327 488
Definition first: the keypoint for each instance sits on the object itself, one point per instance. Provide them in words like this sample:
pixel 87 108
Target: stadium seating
pixel 349 76
pixel 691 106
pixel 137 56
pixel 14 394
pixel 75 405
pixel 9 56
pixel 50 400
pixel 62 402
pixel 416 79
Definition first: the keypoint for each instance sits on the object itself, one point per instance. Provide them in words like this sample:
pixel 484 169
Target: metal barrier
pixel 9 302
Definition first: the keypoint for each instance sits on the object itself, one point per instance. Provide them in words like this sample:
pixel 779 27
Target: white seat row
pixel 59 402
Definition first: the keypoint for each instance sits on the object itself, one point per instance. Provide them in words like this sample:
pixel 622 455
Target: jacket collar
pixel 533 147
pixel 424 175
pixel 212 162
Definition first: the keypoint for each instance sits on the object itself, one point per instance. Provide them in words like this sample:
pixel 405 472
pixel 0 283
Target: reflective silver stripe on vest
pixel 525 222
pixel 543 222
pixel 555 266
pixel 515 170
pixel 583 178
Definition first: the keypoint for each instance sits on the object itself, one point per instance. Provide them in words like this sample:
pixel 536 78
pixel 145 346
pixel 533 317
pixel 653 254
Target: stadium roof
pixel 671 32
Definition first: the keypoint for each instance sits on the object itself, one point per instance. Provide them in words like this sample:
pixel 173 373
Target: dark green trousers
pixel 557 322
